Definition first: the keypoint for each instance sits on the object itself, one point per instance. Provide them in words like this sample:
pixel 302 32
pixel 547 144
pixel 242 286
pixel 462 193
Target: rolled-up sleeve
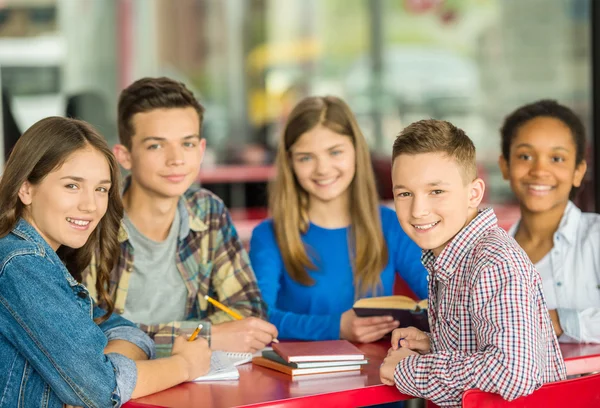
pixel 125 375
pixel 135 336
pixel 68 356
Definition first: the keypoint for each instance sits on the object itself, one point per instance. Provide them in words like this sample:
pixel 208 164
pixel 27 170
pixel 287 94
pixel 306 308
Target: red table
pixel 581 358
pixel 261 387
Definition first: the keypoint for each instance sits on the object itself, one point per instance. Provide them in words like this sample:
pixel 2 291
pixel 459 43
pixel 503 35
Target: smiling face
pixel 67 205
pixel 166 151
pixel 433 202
pixel 542 165
pixel 324 163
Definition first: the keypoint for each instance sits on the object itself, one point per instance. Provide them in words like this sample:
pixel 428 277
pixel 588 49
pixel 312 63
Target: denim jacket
pixel 51 351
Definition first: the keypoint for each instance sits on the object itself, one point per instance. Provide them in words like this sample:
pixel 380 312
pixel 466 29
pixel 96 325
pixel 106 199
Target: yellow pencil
pixel 227 310
pixel 224 308
pixel 195 333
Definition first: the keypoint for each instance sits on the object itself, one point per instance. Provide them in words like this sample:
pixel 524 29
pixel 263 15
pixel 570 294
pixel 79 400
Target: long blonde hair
pixel 288 201
pixel 43 148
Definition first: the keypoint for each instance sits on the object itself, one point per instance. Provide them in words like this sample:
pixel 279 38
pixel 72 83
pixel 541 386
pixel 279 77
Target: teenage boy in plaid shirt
pixel 490 327
pixel 178 243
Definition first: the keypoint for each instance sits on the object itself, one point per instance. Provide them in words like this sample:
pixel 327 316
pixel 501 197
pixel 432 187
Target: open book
pixel 402 308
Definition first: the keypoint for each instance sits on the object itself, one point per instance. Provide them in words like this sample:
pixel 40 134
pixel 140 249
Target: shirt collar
pixel 569 223
pixel 189 219
pixel 451 257
pixel 567 228
pixel 25 230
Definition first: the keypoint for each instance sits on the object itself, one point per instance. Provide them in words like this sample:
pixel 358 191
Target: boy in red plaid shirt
pixel 489 323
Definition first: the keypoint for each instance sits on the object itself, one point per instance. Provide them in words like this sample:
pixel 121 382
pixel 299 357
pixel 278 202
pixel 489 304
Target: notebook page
pixel 221 368
pixel 239 358
pixel 243 358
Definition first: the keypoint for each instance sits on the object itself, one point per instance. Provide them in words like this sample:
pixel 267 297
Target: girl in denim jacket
pixel 60 201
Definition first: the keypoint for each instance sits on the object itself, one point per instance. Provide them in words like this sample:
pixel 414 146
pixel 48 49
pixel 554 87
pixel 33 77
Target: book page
pixel 387 302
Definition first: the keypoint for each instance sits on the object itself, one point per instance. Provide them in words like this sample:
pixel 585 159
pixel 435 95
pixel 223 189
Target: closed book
pixel 328 350
pixel 401 308
pixel 265 362
pixel 273 356
pixel 311 384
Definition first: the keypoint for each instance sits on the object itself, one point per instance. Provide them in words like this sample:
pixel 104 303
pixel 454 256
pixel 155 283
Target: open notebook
pixel 223 365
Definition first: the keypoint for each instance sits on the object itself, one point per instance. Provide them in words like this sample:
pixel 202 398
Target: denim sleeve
pixel 118 328
pixel 126 375
pixel 53 329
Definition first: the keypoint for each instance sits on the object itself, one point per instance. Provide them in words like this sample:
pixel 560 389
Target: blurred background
pixel 249 61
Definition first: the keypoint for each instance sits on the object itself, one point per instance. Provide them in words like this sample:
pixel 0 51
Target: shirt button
pixel 82 295
pixel 558 283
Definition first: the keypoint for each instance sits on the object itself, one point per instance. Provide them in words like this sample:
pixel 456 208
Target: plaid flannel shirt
pixel 490 328
pixel 212 261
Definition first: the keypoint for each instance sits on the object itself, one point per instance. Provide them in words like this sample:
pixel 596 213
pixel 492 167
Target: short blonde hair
pixel 438 136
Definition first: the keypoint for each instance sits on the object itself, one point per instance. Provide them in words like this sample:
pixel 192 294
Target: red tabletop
pixel 581 358
pixel 261 387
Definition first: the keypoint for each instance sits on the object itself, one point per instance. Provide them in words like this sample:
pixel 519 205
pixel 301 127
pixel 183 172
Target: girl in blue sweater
pixel 329 241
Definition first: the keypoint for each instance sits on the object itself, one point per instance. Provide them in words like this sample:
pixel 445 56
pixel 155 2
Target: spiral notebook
pixel 223 366
pixel 239 358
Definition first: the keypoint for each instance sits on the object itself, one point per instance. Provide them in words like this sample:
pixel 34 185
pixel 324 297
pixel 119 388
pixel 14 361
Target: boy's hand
pixel 386 371
pixel 247 335
pixel 365 329
pixel 411 338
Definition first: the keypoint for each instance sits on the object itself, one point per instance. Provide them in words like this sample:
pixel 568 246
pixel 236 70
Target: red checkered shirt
pixel 490 327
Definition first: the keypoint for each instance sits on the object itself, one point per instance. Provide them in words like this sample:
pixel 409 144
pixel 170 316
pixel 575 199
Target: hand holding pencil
pixel 195 354
pixel 248 334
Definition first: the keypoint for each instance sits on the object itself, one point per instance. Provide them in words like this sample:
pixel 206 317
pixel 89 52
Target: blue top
pixel 314 312
pixel 51 351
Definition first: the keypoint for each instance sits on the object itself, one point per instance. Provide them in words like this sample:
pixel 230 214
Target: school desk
pixel 261 387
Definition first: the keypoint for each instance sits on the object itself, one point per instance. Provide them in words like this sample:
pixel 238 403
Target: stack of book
pixel 316 357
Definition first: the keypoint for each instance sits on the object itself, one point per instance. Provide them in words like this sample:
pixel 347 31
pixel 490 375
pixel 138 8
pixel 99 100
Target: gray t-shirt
pixel 157 292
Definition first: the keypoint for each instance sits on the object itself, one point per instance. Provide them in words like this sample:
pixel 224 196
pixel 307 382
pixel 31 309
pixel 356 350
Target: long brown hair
pixel 288 201
pixel 43 148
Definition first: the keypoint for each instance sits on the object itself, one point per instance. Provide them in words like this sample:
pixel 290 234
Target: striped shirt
pixel 490 327
pixel 212 261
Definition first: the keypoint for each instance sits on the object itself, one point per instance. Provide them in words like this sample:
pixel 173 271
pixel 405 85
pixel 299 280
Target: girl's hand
pixel 365 329
pixel 196 355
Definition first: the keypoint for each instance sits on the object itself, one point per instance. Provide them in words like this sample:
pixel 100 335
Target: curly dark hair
pixel 543 108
